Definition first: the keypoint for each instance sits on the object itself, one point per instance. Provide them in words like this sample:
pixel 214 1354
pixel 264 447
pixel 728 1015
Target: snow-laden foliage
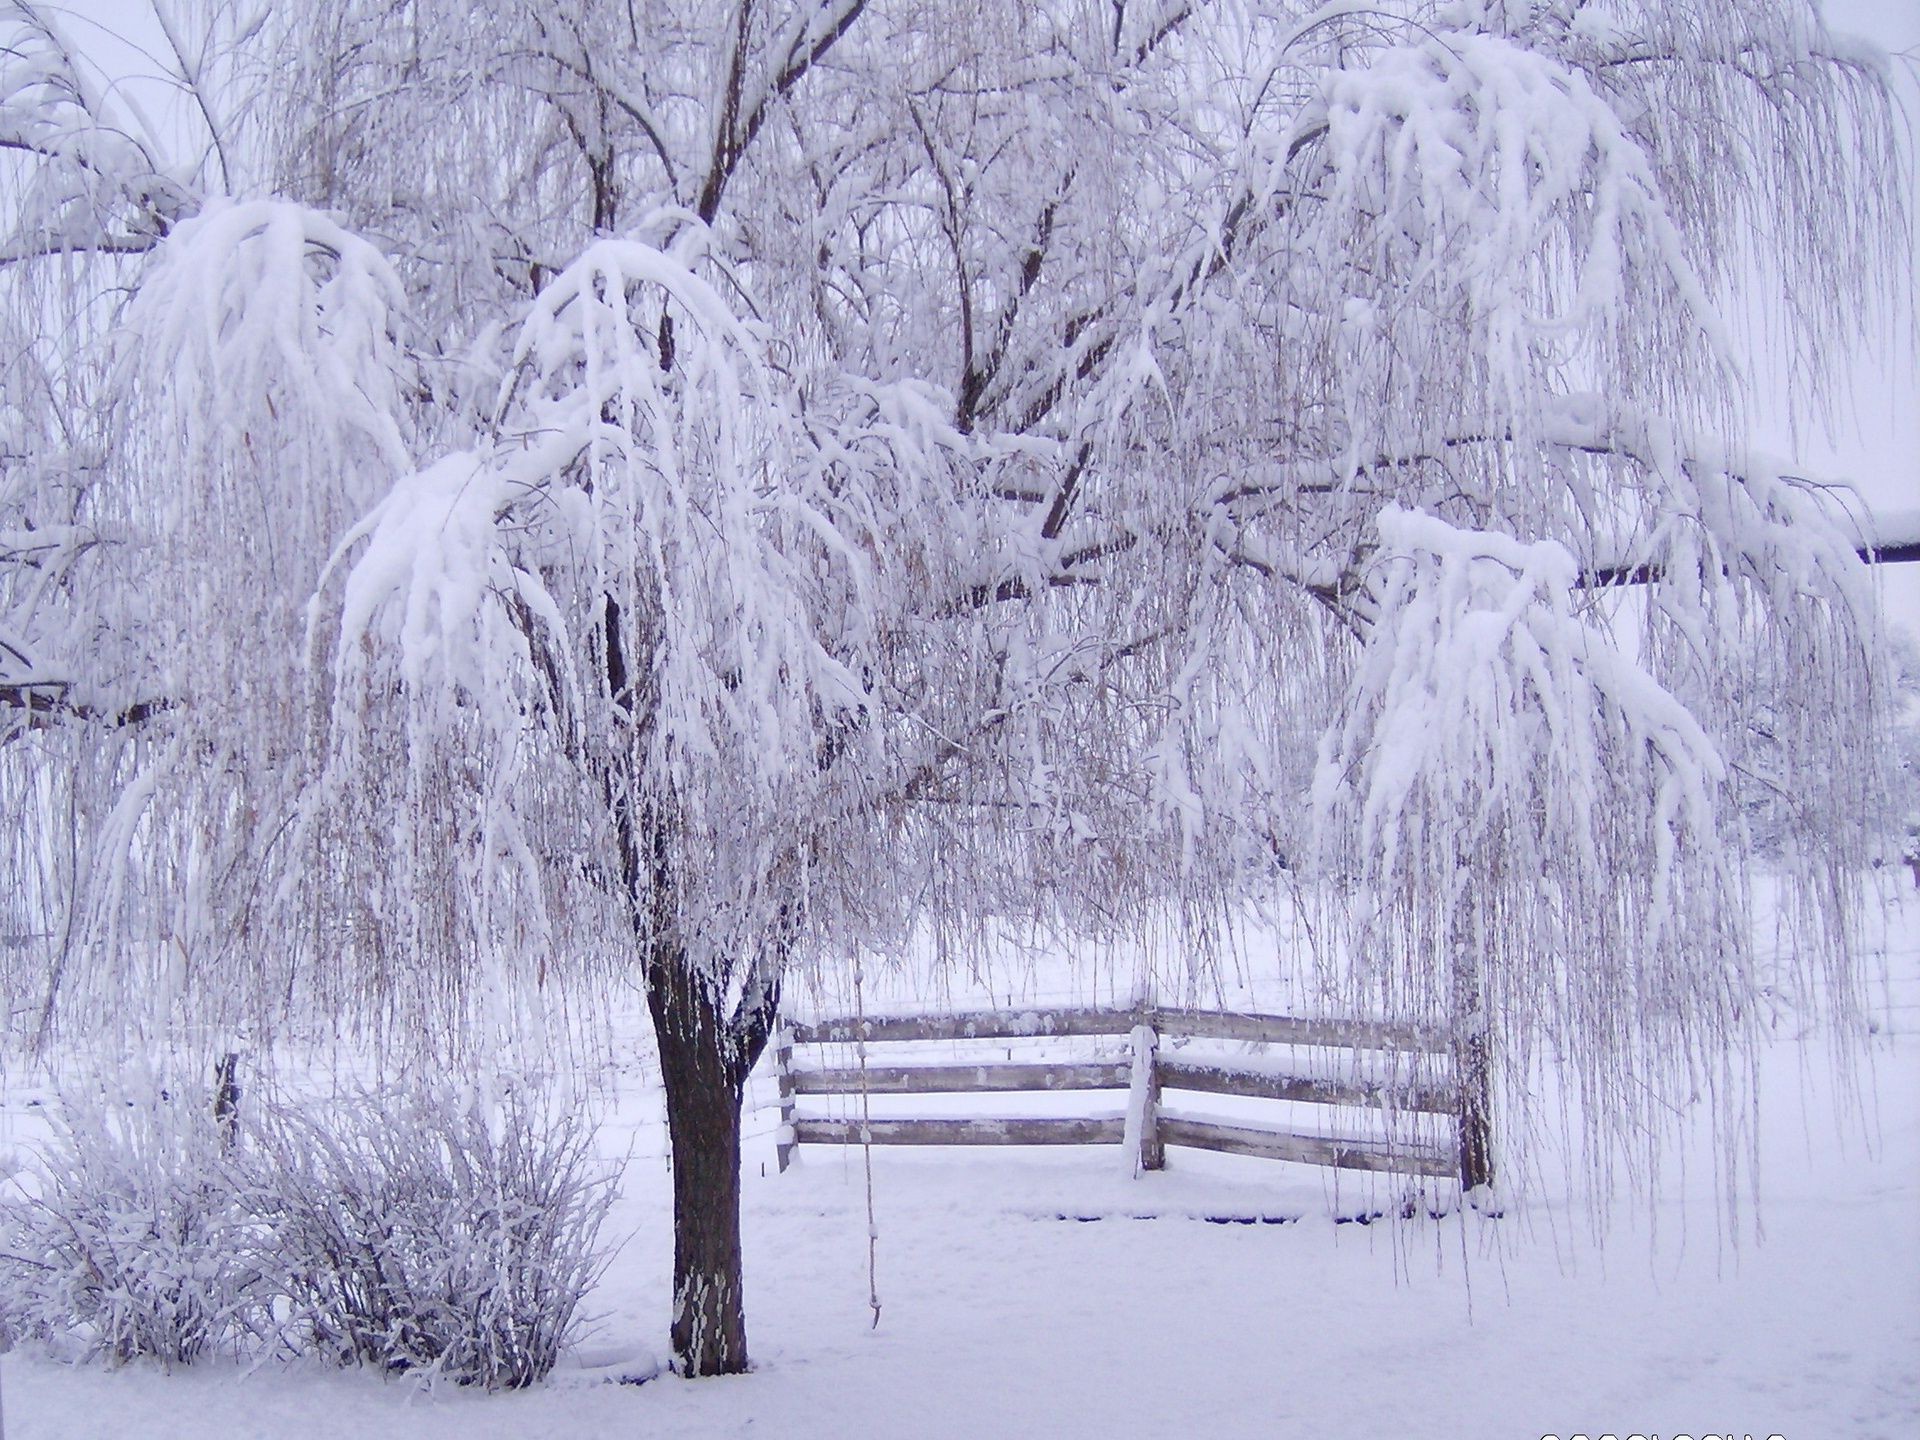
pixel 1475 794
pixel 650 526
pixel 1502 217
pixel 647 584
pixel 136 1242
pixel 282 324
pixel 279 323
pixel 631 489
pixel 99 184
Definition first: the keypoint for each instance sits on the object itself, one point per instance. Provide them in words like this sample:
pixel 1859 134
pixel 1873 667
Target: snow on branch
pixel 94 186
pixel 266 314
pixel 1891 537
pixel 651 572
pixel 248 394
pixel 1532 824
pixel 262 355
pixel 1759 610
pixel 1720 516
pixel 1480 690
pixel 1492 204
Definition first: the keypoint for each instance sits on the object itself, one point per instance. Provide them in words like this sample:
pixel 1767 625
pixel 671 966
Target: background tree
pixel 691 489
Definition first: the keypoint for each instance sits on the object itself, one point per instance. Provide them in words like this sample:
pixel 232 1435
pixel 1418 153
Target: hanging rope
pixel 866 1144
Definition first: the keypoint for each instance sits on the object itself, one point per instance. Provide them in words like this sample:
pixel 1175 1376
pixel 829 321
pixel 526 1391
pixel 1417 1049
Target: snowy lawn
pixel 1001 1318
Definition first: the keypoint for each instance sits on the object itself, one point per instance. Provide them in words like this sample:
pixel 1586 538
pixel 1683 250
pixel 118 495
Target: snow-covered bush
pixel 418 1231
pixel 427 1231
pixel 137 1243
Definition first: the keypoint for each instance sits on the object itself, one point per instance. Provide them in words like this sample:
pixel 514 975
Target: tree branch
pixel 45 705
pixel 734 136
pixel 105 245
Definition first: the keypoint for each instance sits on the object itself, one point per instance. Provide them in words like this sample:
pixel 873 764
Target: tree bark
pixel 703 1083
pixel 705 1055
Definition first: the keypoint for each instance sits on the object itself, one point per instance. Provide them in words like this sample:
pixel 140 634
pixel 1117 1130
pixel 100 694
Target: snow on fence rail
pixel 1145 1127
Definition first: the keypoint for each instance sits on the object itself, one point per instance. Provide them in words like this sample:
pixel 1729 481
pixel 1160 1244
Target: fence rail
pixel 1297 1030
pixel 961 1079
pixel 1043 1023
pixel 1346 1153
pixel 1022 1130
pixel 1036 1024
pixel 1222 1079
pixel 1145 1129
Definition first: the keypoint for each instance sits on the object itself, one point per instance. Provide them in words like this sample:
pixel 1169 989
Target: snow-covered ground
pixel 1047 1294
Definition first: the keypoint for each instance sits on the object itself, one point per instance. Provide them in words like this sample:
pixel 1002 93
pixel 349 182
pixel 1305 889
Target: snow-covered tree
pixel 685 489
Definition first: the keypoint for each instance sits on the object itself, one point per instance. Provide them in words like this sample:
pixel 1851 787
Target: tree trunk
pixel 705 1055
pixel 699 1068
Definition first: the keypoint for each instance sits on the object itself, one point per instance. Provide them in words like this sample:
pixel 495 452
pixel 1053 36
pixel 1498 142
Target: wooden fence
pixel 1147 1126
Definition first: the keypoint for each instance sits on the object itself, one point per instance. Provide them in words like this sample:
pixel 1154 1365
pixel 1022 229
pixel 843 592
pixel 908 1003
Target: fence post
pixel 226 1097
pixel 1141 1136
pixel 1476 1124
pixel 1467 1047
pixel 783 1071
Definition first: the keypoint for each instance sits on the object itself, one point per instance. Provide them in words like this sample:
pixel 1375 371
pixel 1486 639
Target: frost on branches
pixel 1531 823
pixel 572 494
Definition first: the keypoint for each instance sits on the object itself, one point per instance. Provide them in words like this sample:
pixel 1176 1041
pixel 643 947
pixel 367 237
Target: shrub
pixel 426 1232
pixel 136 1244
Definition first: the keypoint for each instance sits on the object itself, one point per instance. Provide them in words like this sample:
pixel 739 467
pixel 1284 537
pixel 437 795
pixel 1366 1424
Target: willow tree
pixel 691 489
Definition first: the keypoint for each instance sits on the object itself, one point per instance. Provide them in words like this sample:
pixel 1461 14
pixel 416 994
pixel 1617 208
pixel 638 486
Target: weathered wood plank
pixel 1196 1024
pixel 783 1069
pixel 1226 1080
pixel 1051 1130
pixel 966 1025
pixel 1305 1149
pixel 962 1079
pixel 1142 1137
pixel 1296 1030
